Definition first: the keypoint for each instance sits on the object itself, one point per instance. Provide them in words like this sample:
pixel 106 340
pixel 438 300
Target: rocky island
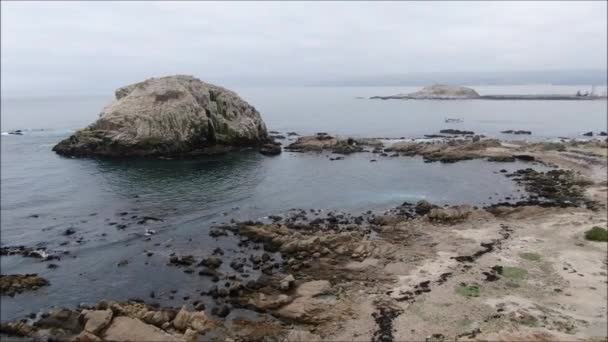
pixel 448 92
pixel 170 116
pixel 436 92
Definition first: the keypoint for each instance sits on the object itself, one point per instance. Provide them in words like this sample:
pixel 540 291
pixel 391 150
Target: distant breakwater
pixel 496 97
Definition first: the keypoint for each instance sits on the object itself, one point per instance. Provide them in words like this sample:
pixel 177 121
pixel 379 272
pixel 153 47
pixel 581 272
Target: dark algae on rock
pixel 559 188
pixel 13 284
pixel 384 320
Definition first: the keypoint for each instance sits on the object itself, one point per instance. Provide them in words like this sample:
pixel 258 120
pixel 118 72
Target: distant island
pixel 448 92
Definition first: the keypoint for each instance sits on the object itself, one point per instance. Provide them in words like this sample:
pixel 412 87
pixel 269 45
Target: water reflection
pixel 190 184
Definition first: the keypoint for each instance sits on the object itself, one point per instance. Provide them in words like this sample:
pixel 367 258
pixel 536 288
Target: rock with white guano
pixel 169 116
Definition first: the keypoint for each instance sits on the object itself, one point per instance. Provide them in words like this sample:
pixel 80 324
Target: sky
pixel 101 45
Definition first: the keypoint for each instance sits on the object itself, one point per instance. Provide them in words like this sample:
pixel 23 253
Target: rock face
pixel 169 116
pixel 437 92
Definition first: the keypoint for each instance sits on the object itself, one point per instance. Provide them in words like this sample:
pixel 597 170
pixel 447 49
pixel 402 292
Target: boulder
pixel 132 329
pixel 271 149
pixel 97 320
pixel 169 116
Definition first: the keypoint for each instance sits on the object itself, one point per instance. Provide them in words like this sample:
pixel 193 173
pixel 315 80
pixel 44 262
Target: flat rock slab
pixel 130 329
pixel 313 288
pixel 97 320
pixel 362 265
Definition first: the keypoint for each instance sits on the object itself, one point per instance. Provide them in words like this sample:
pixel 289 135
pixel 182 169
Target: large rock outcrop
pixel 437 92
pixel 169 116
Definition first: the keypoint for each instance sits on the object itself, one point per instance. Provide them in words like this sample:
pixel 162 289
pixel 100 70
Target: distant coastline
pixel 445 92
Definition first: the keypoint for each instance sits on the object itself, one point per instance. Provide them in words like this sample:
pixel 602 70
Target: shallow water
pixel 193 195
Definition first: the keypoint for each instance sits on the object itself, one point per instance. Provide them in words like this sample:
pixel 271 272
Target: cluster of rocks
pixel 517 132
pixel 326 142
pixel 560 188
pixel 425 211
pixel 113 321
pixel 446 151
pixel 28 252
pixel 12 284
pixel 450 151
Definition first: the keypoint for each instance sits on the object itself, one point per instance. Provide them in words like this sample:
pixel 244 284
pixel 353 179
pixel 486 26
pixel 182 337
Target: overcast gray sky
pixel 99 45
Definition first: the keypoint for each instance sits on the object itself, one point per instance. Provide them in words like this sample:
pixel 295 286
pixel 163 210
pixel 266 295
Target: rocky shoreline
pixel 514 270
